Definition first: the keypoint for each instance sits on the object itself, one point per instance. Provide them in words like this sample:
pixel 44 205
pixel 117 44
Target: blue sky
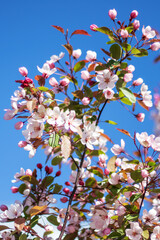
pixel 27 39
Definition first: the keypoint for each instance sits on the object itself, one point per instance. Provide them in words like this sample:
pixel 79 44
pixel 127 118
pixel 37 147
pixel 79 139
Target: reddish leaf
pixel 58 28
pixel 37 209
pixel 69 48
pixel 141 103
pixel 106 52
pixel 83 32
pixel 105 136
pixel 40 79
pixel 3 227
pixel 157 59
pixel 97 169
pixel 19 223
pixel 91 67
pixel 124 132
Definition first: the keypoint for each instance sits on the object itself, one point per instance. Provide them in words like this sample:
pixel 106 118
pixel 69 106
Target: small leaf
pixel 135 51
pixel 58 28
pixel 106 52
pixel 43 89
pixel 141 103
pixel 53 219
pixel 37 209
pixel 111 164
pixel 91 182
pixel 105 30
pixel 96 170
pixel 30 179
pixel 40 79
pixel 69 48
pixel 83 32
pixel 71 236
pixel 145 234
pixel 57 188
pixel 79 65
pixel 111 122
pixel 106 136
pixel 19 223
pixel 128 93
pixel 116 51
pixel 136 176
pixel 56 160
pixel 53 140
pixel 78 94
pixel 3 227
pixel 124 131
pixel 23 237
pixel 48 180
pixel 66 147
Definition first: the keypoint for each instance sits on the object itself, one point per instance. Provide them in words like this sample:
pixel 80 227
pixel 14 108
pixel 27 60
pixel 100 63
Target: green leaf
pixel 97 171
pixel 22 187
pixel 116 51
pixel 34 221
pixel 57 188
pixel 128 93
pixel 111 122
pixel 135 51
pixel 123 65
pixel 135 197
pixel 88 92
pixel 30 179
pixel 53 140
pixel 91 182
pixel 78 66
pixel 132 217
pixel 71 236
pixel 57 160
pixel 53 219
pixel 126 101
pixel 43 89
pixel 23 237
pixel 145 234
pixel 120 83
pixel 143 53
pixel 48 180
pixel 136 176
pixel 47 233
pixel 115 235
pixel 126 47
pixel 105 30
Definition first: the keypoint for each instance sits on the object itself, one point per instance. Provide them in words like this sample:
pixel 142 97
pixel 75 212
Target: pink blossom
pixel 28 172
pixel 9 114
pixel 133 14
pixel 108 93
pixel 140 117
pixel 85 101
pixel 76 53
pixel 137 82
pixel 53 82
pixel 114 180
pixel 64 82
pixel 156 233
pixel 128 77
pixel 22 144
pixel 106 171
pixel 150 217
pixel 91 56
pixel 85 75
pixel 156 144
pixel 136 24
pixel 48 228
pixel 135 233
pixel 106 79
pixel 124 33
pixel 56 58
pixel 14 189
pixel 93 27
pixel 106 231
pixel 118 162
pixel 23 71
pixel 130 68
pixel 155 46
pixel 144 173
pixel 112 13
pixel 144 139
pixel 18 125
pixel 116 149
pixel 148 32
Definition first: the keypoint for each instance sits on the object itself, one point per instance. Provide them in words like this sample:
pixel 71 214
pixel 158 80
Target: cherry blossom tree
pixel 61 112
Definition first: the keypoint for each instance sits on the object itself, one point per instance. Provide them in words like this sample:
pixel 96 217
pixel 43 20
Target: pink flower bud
pixel 144 173
pixel 48 228
pixel 118 162
pixel 3 207
pixel 85 101
pixel 39 165
pixel 67 184
pixel 136 24
pixel 48 170
pixel 64 82
pixel 106 231
pixel 140 117
pixel 71 229
pixel 130 68
pixel 155 46
pixel 112 13
pixel 106 171
pixel 133 14
pixel 66 190
pixel 91 56
pixel 53 82
pixel 18 125
pixel 14 189
pixel 23 71
pixel 124 33
pixel 81 182
pixel 128 77
pixel 28 172
pixel 59 227
pixel 58 173
pixel 138 82
pixel 64 199
pixel 76 53
pixel 93 27
pixel 22 144
pixel 85 75
pixel 28 80
pixel 91 83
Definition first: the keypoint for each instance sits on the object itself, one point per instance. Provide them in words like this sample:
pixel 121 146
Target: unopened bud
pixel 136 24
pixel 85 101
pixel 112 13
pixel 39 165
pixel 3 207
pixel 14 189
pixel 28 172
pixel 23 71
pixel 58 173
pixel 22 144
pixel 124 33
pixel 133 14
pixel 53 82
pixel 76 53
pixel 93 27
pixel 18 125
pixel 138 82
pixel 140 117
pixel 64 82
pixel 64 199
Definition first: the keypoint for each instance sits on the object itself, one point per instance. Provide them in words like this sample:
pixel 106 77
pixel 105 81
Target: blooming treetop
pixel 103 199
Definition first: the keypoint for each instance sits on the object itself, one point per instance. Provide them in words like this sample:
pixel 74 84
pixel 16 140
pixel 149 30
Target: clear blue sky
pixel 27 39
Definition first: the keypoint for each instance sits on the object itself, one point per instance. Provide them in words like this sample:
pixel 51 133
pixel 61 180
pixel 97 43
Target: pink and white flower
pixel 91 56
pixel 128 77
pixel 136 24
pixel 56 58
pixel 135 233
pixel 146 95
pixel 108 93
pixel 117 149
pixel 155 46
pixel 23 71
pixel 148 33
pixel 112 13
pixel 106 79
pixel 114 179
pixel 156 233
pixel 124 33
pixel 76 53
pixel 144 139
